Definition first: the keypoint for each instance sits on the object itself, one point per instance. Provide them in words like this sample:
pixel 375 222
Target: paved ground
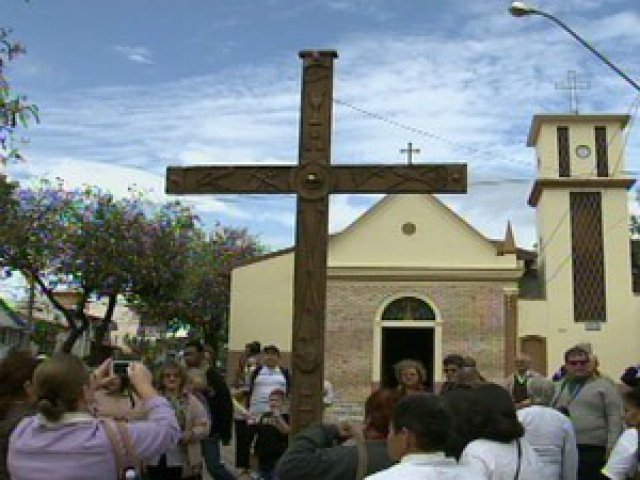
pixel 228 458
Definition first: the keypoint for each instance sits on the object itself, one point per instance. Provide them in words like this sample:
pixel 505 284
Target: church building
pixel 412 279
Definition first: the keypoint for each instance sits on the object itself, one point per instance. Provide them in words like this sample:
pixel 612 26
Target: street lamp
pixel 521 9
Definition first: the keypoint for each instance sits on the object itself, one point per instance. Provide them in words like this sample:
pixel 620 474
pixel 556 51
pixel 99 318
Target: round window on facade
pixel 408 228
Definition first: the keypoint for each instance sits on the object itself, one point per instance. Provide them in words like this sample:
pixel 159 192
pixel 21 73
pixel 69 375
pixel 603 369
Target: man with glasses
pixel 594 406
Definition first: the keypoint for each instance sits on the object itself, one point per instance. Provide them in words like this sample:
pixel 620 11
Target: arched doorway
pixel 406 332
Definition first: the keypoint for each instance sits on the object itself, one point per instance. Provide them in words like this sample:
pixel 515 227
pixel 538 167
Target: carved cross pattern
pixel 313 179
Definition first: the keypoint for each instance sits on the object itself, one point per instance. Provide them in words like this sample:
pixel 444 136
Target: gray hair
pixel 541 390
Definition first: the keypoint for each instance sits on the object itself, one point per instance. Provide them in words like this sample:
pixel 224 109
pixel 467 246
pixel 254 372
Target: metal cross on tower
pixel 573 85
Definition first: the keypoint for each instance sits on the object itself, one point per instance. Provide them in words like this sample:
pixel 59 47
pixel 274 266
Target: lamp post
pixel 521 9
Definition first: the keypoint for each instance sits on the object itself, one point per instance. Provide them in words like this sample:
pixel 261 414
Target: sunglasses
pixel 578 362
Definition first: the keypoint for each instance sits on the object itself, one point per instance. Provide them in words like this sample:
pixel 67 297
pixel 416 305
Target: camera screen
pixel 120 368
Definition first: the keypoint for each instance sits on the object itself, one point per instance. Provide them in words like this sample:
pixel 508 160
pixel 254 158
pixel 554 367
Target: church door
pixel 400 343
pixel 408 326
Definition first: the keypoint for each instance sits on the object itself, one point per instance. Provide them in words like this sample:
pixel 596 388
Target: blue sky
pixel 127 88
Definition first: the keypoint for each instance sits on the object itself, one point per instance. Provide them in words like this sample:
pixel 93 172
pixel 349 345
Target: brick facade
pixel 471 315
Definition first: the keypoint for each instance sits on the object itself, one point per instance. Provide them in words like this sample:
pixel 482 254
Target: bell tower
pixel 581 202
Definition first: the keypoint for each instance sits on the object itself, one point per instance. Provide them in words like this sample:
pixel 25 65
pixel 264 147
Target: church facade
pixel 412 279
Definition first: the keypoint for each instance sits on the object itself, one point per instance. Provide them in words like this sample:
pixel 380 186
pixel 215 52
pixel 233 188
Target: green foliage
pixel 96 245
pixel 87 241
pixel 15 111
pixel 199 297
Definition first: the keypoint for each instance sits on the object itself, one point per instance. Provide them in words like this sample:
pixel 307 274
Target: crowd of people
pixel 61 419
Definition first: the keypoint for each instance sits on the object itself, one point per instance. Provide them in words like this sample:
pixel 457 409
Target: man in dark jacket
pixel 318 453
pixel 212 387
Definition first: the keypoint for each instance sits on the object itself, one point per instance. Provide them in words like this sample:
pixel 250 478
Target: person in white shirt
pixel 418 433
pixel 266 378
pixel 549 432
pixel 623 460
pixel 489 437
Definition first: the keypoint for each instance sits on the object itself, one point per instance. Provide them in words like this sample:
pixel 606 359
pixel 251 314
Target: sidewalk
pixel 228 454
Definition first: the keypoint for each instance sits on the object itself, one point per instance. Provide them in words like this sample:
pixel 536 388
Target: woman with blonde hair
pixel 64 442
pixel 182 460
pixel 411 376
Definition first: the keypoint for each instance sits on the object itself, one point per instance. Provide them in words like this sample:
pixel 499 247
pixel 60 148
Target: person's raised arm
pixel 315 454
pixel 160 431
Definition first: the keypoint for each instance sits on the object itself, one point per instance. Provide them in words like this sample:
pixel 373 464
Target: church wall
pixel 441 239
pixel 617 344
pixel 546 148
pixel 261 306
pixel 471 319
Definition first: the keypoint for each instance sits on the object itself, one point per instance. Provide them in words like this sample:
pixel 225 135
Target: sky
pixel 126 88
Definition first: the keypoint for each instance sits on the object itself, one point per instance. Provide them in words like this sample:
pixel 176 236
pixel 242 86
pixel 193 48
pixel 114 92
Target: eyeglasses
pixel 171 375
pixel 450 370
pixel 578 362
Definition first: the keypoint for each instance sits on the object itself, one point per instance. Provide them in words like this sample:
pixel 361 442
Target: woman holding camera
pixel 115 399
pixel 65 442
pixel 184 460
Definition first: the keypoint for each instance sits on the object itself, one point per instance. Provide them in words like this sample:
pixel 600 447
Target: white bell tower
pixel 581 200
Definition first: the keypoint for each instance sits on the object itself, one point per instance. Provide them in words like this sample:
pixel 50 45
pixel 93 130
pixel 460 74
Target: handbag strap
pixel 128 446
pixel 123 449
pixel 118 452
pixel 517 476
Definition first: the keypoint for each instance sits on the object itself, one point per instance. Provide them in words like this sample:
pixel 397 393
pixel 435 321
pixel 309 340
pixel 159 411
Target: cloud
pixel 459 95
pixel 135 54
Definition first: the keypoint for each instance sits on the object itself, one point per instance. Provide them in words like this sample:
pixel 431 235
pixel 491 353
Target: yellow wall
pixel 442 239
pixel 617 344
pixel 261 303
pixel 261 300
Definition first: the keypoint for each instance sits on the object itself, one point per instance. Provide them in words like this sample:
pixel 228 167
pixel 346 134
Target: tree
pixel 14 109
pixel 200 295
pixel 91 243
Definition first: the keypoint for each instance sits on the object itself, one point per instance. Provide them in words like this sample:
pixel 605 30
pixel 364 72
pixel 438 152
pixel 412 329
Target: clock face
pixel 583 151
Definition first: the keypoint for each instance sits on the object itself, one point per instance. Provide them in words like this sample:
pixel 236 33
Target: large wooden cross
pixel 313 179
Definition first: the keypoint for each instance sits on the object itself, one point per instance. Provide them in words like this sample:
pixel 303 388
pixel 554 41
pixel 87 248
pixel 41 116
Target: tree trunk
pixel 72 338
pixel 99 352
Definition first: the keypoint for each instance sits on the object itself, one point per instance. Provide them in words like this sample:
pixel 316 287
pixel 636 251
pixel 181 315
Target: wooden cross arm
pixel 431 178
pixel 314 180
pixel 230 179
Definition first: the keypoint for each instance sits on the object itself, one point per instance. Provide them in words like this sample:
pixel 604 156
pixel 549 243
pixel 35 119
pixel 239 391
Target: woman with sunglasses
pixel 184 460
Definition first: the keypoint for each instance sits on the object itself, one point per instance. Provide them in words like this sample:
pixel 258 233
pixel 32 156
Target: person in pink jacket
pixel 63 441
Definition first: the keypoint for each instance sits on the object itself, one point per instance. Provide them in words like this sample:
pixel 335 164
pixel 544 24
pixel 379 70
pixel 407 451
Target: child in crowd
pixel 272 436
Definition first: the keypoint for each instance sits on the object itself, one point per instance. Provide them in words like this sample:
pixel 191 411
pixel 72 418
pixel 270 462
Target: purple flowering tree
pixel 200 296
pixel 91 243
